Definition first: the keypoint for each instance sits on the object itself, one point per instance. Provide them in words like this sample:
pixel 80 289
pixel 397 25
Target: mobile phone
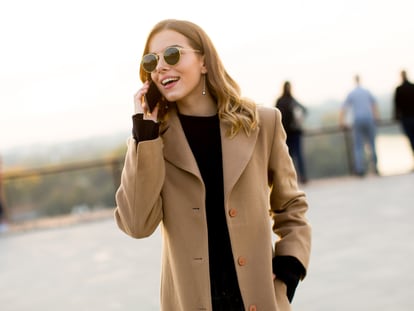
pixel 152 97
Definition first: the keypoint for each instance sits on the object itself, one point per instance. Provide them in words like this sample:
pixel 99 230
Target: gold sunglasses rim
pixel 158 55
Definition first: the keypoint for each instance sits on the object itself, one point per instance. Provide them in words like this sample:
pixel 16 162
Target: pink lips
pixel 171 82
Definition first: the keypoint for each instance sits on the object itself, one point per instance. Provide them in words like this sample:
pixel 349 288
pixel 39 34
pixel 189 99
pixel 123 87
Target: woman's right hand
pixel 141 107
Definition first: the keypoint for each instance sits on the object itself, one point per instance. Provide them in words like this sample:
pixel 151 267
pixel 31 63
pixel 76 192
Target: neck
pixel 202 106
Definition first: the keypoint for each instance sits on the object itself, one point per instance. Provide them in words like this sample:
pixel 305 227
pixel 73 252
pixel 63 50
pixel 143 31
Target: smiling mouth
pixel 169 80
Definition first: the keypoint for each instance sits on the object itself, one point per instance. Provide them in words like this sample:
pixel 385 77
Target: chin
pixel 172 97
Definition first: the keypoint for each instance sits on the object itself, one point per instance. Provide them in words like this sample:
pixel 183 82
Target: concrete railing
pixel 115 164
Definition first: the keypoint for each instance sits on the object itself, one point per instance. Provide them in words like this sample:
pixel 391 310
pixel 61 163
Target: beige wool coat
pixel 161 184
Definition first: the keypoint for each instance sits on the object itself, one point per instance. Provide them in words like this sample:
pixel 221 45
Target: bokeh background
pixel 69 69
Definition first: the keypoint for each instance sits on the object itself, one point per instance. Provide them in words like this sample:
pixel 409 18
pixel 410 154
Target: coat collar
pixel 176 148
pixel 236 151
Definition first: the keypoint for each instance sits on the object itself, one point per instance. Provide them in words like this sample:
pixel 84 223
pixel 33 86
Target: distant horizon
pixel 393 150
pixel 127 130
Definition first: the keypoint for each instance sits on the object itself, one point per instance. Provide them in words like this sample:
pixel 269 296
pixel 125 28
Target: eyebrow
pixel 170 46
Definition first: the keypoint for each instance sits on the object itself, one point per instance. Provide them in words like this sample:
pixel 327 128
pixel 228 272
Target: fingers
pixel 151 115
pixel 139 103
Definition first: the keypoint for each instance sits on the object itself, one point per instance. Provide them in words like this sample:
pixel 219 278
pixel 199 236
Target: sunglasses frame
pixel 158 55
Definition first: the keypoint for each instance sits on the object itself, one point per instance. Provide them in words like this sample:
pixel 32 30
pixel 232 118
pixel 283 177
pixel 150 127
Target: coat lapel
pixel 237 152
pixel 176 148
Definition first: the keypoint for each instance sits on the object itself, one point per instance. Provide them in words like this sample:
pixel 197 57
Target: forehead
pixel 166 38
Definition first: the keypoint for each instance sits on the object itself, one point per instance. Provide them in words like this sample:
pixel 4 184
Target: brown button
pixel 252 308
pixel 241 261
pixel 232 212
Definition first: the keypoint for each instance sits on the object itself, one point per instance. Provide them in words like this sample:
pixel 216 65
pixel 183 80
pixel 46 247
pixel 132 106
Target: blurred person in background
pixel 364 113
pixel 293 114
pixel 3 223
pixel 210 167
pixel 404 107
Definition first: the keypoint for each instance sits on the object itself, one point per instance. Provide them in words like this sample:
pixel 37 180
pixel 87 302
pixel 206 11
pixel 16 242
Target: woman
pixel 204 164
pixel 293 114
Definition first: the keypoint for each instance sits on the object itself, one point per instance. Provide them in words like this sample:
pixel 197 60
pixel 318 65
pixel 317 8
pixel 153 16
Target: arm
pixel 138 198
pixel 397 113
pixel 343 111
pixel 374 108
pixel 375 111
pixel 342 123
pixel 302 107
pixel 288 208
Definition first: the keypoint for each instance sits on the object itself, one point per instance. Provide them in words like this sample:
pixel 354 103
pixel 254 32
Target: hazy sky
pixel 69 69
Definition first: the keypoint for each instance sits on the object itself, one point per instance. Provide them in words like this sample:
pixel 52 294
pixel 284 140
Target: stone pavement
pixel 362 256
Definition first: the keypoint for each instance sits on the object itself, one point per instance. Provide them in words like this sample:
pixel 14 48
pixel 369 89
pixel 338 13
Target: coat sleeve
pixel 138 198
pixel 288 203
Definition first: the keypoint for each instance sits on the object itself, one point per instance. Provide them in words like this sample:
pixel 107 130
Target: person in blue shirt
pixel 364 111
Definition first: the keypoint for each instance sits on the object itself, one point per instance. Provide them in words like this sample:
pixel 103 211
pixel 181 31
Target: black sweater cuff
pixel 290 271
pixel 144 129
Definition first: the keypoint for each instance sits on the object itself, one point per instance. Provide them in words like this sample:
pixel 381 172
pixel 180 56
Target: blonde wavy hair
pixel 240 113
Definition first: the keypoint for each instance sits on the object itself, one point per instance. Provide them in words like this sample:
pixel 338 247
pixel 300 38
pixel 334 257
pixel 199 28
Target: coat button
pixel 252 308
pixel 232 212
pixel 241 261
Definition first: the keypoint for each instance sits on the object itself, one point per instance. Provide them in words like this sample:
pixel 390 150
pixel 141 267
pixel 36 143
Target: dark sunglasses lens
pixel 172 55
pixel 149 62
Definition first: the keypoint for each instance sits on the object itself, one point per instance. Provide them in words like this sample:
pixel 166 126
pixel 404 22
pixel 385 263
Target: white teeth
pixel 168 80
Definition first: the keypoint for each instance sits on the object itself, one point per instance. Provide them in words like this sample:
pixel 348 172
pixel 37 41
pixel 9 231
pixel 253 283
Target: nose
pixel 161 65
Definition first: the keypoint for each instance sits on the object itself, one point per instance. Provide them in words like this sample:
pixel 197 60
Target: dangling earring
pixel 204 86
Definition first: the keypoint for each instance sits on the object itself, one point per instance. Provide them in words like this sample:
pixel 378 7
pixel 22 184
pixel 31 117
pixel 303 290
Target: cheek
pixel 192 65
pixel 189 83
pixel 192 80
pixel 192 71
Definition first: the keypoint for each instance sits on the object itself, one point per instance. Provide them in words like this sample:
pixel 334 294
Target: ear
pixel 203 66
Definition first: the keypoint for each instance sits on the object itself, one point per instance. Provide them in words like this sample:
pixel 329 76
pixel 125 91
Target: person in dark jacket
pixel 293 114
pixel 404 107
pixel 3 223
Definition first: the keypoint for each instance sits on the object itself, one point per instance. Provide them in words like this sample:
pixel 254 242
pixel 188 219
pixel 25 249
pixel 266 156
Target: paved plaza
pixel 362 259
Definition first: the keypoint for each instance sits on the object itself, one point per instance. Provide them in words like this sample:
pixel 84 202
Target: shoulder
pixel 270 126
pixel 266 112
pixel 268 116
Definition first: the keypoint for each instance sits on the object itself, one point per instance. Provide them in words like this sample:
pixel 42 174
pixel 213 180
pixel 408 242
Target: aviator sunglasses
pixel 171 55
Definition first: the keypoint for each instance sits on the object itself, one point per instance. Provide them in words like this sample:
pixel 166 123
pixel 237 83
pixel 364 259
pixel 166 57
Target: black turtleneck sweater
pixel 203 136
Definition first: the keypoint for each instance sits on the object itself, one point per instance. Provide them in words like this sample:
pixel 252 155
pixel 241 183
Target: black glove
pixel 290 271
